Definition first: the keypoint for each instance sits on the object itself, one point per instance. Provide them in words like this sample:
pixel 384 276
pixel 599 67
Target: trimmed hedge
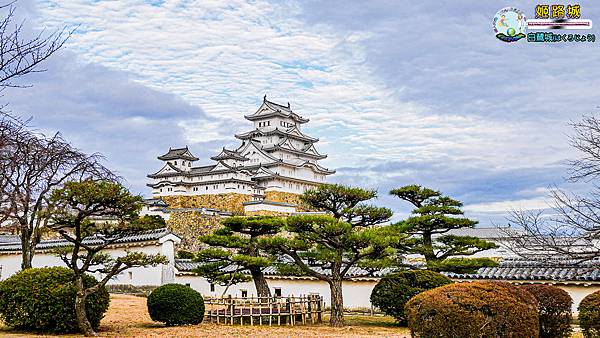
pixel 589 315
pixel 393 291
pixel 176 304
pixel 472 310
pixel 43 299
pixel 554 310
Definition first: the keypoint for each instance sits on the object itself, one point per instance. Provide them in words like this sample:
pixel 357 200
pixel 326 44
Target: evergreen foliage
pixel 106 212
pixel 328 246
pixel 393 291
pixel 176 304
pixel 589 315
pixel 433 217
pixel 43 299
pixel 236 254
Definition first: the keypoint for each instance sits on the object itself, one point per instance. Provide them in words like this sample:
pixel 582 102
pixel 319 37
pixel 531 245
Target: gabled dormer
pixel 268 110
pixel 180 158
pixel 230 157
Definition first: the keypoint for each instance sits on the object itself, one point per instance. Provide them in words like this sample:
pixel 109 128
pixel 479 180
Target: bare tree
pixel 570 228
pixel 32 165
pixel 20 55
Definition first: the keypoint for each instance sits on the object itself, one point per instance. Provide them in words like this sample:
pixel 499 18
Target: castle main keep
pixel 274 164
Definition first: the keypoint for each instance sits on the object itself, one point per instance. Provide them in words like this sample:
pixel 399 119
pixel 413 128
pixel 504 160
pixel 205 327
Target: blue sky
pixel 398 92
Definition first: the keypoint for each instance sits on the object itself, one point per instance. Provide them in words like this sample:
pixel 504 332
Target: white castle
pixel 274 163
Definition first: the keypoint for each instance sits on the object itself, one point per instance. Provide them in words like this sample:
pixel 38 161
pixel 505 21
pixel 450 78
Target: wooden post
pixel 270 310
pixel 303 301
pixel 278 313
pixel 251 314
pixel 231 310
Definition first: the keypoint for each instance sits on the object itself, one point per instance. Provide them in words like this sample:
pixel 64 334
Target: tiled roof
pixel 480 232
pixel 144 236
pixel 276 130
pixel 270 203
pixel 229 154
pixel 155 202
pixel 509 269
pixel 275 109
pixel 186 265
pixel 547 269
pixel 9 238
pixel 177 153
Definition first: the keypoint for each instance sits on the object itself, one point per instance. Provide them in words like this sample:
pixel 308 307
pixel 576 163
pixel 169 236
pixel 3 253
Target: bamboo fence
pixel 291 310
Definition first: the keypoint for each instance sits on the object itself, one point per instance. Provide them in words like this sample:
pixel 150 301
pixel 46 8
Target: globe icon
pixel 511 31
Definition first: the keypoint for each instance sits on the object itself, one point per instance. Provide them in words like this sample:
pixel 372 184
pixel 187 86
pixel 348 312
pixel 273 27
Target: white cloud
pixel 504 207
pixel 223 56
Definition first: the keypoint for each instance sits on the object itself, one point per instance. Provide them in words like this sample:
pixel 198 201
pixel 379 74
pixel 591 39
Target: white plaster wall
pixel 269 207
pixel 578 292
pixel 356 293
pixel 11 264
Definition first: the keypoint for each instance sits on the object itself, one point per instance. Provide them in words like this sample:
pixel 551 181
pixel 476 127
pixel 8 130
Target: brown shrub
pixel 554 310
pixel 589 315
pixel 478 309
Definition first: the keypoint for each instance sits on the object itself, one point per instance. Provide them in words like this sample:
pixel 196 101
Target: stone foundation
pixel 189 225
pixel 231 202
pixel 266 213
pixel 286 197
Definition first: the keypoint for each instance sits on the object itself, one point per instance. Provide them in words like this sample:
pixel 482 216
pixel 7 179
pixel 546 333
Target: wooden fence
pixel 262 310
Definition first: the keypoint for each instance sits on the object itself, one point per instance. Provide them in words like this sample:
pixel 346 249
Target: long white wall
pixel 356 293
pixel 11 264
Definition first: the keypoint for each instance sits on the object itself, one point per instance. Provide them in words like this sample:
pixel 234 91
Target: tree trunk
pixel 429 254
pixel 262 288
pixel 82 321
pixel 26 250
pixel 337 303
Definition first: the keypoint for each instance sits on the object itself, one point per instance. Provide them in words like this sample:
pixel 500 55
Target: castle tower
pixel 273 165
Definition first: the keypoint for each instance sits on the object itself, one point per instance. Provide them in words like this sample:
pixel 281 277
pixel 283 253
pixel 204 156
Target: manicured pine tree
pixel 79 213
pixel 235 255
pixel 328 247
pixel 433 217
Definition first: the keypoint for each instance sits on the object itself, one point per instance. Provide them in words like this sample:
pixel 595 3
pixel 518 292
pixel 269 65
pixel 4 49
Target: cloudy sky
pixel 398 92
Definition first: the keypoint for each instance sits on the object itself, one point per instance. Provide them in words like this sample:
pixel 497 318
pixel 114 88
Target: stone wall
pixel 189 225
pixel 232 202
pixel 286 197
pixel 267 213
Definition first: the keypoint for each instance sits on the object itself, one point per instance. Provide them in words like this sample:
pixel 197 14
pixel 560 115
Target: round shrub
pixel 477 309
pixel 554 310
pixel 176 304
pixel 43 299
pixel 393 291
pixel 589 315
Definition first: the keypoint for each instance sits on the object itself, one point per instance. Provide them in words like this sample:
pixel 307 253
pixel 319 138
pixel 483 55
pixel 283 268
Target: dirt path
pixel 128 317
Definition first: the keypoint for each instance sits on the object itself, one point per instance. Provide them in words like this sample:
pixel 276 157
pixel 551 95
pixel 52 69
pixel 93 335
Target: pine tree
pixel 235 255
pixel 328 247
pixel 76 212
pixel 433 217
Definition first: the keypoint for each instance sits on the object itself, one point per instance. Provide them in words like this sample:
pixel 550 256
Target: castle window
pixel 175 162
pixel 244 293
pixel 212 287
